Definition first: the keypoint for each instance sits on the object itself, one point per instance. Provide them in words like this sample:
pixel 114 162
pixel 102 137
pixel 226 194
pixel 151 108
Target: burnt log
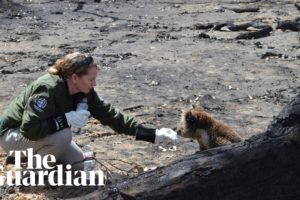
pixel 265 166
pixel 256 34
pixel 293 25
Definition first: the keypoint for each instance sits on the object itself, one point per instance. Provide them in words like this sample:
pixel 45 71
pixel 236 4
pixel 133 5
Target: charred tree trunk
pixel 266 166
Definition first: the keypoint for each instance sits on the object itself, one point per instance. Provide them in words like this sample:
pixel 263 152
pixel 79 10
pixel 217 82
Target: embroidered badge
pixel 40 104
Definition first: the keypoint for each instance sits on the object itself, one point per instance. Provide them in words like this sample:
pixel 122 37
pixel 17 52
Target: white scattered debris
pixel 117 142
pixel 265 97
pixel 172 148
pixel 197 98
pixel 162 149
pixel 150 168
pixel 225 28
pixel 106 68
pixel 251 28
pixel 153 83
pixel 146 169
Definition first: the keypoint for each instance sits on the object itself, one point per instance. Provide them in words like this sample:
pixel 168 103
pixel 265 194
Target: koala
pixel 197 124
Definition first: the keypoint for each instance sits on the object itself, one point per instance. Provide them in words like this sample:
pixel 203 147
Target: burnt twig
pixel 242 10
pixel 297 6
pixel 133 108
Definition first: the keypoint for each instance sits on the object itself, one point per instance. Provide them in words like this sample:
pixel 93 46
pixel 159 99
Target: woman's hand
pixel 165 135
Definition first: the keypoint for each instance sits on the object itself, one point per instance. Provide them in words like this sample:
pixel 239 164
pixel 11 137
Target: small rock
pixel 258 45
pixel 203 35
pixel 208 97
pixel 56 13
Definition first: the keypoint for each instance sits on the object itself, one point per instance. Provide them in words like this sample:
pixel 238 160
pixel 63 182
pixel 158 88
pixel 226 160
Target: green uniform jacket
pixel 47 98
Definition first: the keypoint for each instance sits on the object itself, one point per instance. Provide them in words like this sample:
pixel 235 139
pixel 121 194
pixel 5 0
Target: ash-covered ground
pixel 156 58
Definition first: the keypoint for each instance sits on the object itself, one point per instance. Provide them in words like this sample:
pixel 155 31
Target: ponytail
pixel 56 69
pixel 74 63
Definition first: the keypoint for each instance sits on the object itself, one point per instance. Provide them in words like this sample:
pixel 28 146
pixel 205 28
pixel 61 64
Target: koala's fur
pixel 198 124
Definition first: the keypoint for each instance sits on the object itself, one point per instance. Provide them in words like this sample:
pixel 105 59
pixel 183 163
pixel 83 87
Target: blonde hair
pixel 73 63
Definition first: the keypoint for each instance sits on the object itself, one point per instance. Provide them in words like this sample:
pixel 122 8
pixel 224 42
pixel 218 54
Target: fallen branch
pixel 108 16
pixel 256 34
pixel 135 166
pixel 293 25
pixel 242 10
pixel 271 54
pixel 133 108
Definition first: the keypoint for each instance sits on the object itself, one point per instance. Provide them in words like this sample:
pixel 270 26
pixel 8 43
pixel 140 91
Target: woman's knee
pixel 61 138
pixel 73 155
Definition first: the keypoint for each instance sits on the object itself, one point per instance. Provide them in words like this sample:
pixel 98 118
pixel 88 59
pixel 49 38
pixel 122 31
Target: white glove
pixel 165 135
pixel 77 119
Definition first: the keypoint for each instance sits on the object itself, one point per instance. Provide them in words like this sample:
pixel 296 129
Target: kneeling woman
pixel 41 116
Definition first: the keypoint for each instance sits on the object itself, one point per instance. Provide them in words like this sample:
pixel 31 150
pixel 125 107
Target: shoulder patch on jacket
pixel 40 104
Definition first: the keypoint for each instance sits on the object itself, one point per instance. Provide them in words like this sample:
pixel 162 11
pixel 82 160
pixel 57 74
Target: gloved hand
pixel 165 135
pixel 77 119
pixel 156 135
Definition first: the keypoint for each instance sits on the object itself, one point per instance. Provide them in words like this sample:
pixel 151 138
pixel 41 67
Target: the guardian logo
pixel 38 169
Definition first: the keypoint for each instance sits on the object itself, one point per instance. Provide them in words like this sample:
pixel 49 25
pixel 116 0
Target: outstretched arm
pixel 123 123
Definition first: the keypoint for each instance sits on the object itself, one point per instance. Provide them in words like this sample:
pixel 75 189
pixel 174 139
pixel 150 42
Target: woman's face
pixel 86 82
